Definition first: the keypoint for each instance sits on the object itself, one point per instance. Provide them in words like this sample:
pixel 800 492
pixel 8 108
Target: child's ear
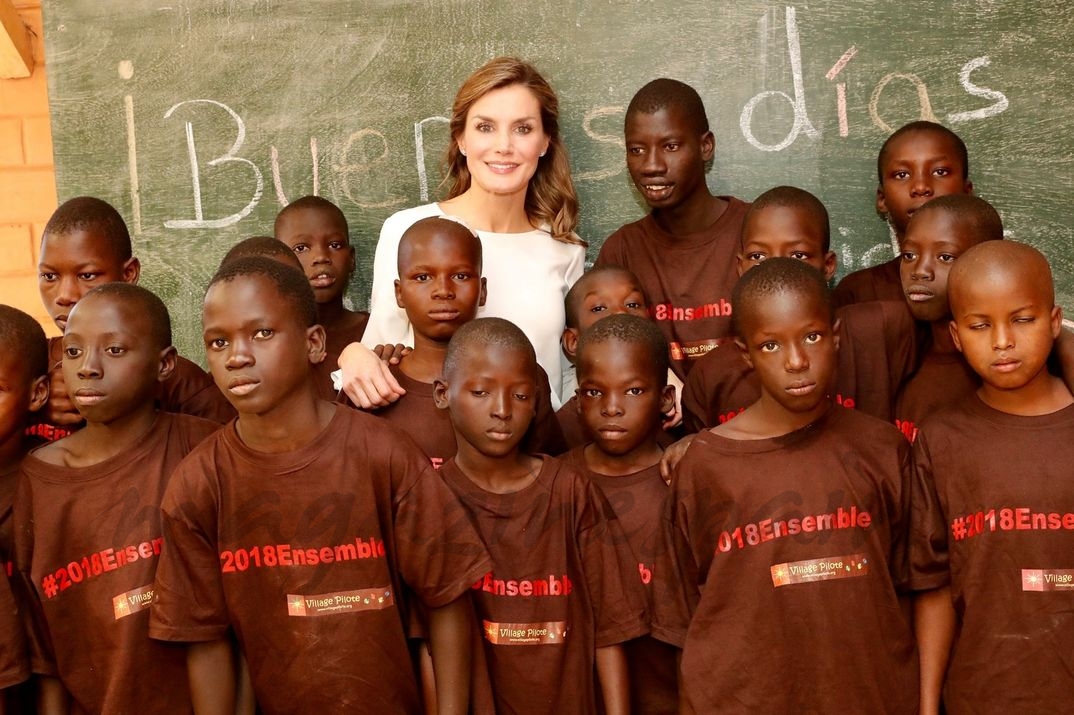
pixel 741 345
pixel 569 341
pixel 316 340
pixel 1057 321
pixel 399 296
pixel 708 146
pixel 741 265
pixel 38 393
pixel 132 268
pixel 440 389
pixel 350 261
pixel 954 335
pixel 168 358
pixel 667 399
pixel 968 187
pixel 483 294
pixel 830 264
pixel 881 203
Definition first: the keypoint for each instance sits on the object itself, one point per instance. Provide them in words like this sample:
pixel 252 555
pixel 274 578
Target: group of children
pixel 873 514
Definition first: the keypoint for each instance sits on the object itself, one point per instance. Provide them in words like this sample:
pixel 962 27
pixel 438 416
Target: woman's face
pixel 503 140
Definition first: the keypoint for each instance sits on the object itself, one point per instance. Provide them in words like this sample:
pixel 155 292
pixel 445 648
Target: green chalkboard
pixel 200 118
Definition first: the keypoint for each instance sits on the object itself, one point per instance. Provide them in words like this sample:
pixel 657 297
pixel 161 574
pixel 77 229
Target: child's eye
pixel 946 257
pixel 942 171
pixel 264 333
pixel 115 350
pixel 591 393
pixel 978 326
pixel 479 393
pixel 635 150
pixel 755 257
pixel 71 353
pixel 769 347
pixel 420 277
pixel 216 344
pixel 336 245
pixel 672 146
pixel 48 277
pixel 300 247
pixel 800 255
pixel 87 276
pixel 908 256
pixel 635 391
pixel 598 308
pixel 521 396
pixel 900 174
pixel 635 305
pixel 462 276
pixel 1025 319
pixel 813 338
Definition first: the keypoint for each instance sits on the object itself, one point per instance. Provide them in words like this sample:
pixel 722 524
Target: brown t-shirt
pixel 305 554
pixel 876 352
pixel 638 501
pixel 336 341
pixel 14 663
pixel 557 589
pixel 784 558
pixel 994 516
pixel 88 539
pixel 687 280
pixel 880 282
pixel 416 414
pixel 942 380
pixel 570 422
pixel 189 390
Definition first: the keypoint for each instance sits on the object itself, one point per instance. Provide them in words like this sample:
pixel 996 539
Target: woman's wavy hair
pixel 550 199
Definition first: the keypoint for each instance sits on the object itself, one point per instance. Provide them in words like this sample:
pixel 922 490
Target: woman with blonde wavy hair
pixel 508 178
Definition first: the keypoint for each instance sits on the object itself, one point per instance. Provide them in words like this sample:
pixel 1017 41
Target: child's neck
pixel 292 424
pixel 101 441
pixel 425 362
pixel 1042 395
pixel 642 457
pixel 332 316
pixel 494 213
pixel 767 419
pixel 500 475
pixel 695 214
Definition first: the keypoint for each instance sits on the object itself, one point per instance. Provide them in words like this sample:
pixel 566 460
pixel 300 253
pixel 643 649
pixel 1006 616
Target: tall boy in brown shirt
pixel 87 519
pixel 557 604
pixel 994 503
pixel 86 244
pixel 304 527
pixel 682 252
pixel 786 530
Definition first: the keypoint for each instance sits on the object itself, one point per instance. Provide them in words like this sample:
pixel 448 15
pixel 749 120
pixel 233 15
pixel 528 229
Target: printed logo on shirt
pixel 330 604
pixel 551 586
pixel 131 602
pixel 670 311
pixel 287 556
pixel 694 350
pixel 908 428
pixel 757 533
pixel 812 570
pixel 547 633
pixel 1048 580
pixel 47 432
pixel 101 562
pixel 1009 519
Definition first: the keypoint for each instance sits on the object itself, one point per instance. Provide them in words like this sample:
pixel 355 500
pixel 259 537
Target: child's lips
pixel 611 431
pixel 801 387
pixel 444 314
pixel 322 280
pixel 656 190
pixel 84 396
pixel 1005 365
pixel 919 294
pixel 240 386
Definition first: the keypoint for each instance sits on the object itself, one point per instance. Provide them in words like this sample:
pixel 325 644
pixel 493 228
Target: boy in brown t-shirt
pixel 785 530
pixel 87 519
pixel 876 339
pixel 920 161
pixel 86 244
pixel 440 287
pixel 558 602
pixel 316 230
pixel 623 394
pixel 303 526
pixel 600 292
pixel 683 252
pixel 23 391
pixel 994 503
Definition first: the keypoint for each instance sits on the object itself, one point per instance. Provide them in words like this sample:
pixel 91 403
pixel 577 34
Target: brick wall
pixel 27 177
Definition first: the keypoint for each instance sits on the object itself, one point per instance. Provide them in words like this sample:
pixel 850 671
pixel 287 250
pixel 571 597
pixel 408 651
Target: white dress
pixel 528 275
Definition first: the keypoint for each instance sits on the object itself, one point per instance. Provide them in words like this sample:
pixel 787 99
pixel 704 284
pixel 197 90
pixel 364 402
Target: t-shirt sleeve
pixel 439 552
pixel 38 641
pixel 675 576
pixel 188 603
pixel 900 517
pixel 898 327
pixel 14 667
pixel 929 557
pixel 388 323
pixel 610 571
pixel 851 289
pixel 611 252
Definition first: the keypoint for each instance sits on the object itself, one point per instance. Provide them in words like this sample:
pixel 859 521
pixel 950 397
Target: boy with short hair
pixel 302 523
pixel 785 530
pixel 316 230
pixel 440 287
pixel 23 391
pixel 87 520
pixel 556 603
pixel 940 232
pixel 920 161
pixel 876 348
pixel 266 246
pixel 994 500
pixel 86 244
pixel 683 250
pixel 623 393
pixel 600 292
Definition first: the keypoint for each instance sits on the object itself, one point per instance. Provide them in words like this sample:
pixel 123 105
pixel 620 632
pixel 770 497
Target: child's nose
pixel 797 360
pixel 67 291
pixel 90 365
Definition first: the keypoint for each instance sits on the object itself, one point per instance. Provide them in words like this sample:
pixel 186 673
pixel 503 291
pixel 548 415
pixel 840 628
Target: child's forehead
pixel 245 294
pixel 609 281
pixel 107 313
pixel 439 245
pixel 931 228
pixel 800 304
pixel 79 246
pixel 669 119
pixel 922 143
pixel 794 221
pixel 496 359
pixel 307 217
